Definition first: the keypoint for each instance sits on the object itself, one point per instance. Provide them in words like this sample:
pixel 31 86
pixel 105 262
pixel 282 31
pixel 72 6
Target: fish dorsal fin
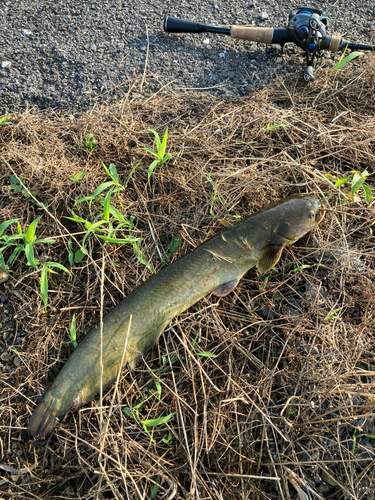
pixel 271 258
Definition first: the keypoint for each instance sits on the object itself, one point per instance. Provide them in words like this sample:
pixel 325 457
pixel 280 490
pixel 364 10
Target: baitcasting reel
pixel 306 28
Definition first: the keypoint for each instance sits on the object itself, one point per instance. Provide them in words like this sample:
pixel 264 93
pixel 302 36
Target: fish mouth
pixel 320 214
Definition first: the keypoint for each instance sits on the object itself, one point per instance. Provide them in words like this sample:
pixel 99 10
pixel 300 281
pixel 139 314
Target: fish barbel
pixel 216 266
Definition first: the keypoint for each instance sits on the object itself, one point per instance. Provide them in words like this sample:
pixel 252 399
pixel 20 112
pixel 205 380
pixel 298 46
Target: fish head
pixel 301 214
pixel 291 219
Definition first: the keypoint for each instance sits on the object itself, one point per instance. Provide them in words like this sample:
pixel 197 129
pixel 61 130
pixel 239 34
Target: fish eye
pixel 312 215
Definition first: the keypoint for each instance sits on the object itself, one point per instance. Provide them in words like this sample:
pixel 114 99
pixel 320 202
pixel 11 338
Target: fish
pixel 132 327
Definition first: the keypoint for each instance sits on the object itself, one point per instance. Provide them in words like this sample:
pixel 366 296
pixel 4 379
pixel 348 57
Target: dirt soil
pixel 272 387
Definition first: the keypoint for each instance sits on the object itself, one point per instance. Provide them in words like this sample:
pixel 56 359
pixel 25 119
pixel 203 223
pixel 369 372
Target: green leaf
pixel 158 387
pixel 3 120
pixel 122 241
pixel 166 158
pixel 206 354
pixel 168 439
pixel 157 421
pixel 356 183
pixel 341 181
pixel 155 489
pixel 44 286
pixel 102 188
pixel 77 177
pixel 113 173
pixel 162 148
pixel 79 255
pixel 157 138
pixel 368 193
pixel 73 336
pixel 106 205
pixel 85 198
pixel 151 169
pixel 117 215
pixel 29 251
pixel 141 258
pixel 344 61
pixel 92 228
pixel 15 254
pixel 299 268
pixel 58 266
pixel 6 224
pixel 151 151
pixel 30 233
pixel 127 411
pixel 271 127
pixel 70 252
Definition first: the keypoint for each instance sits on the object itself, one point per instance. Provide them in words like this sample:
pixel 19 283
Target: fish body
pixel 215 266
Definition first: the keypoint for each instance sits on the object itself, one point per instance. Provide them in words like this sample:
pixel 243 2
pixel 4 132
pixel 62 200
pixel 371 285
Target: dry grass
pixel 274 414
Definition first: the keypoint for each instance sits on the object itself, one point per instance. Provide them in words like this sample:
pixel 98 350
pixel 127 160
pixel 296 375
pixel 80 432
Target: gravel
pixel 70 54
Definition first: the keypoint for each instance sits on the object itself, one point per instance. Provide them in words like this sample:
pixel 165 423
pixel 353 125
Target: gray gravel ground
pixel 70 54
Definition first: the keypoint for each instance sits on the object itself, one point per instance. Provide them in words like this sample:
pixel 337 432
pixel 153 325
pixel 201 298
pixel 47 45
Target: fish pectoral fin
pixel 225 288
pixel 225 223
pixel 271 258
pixel 146 342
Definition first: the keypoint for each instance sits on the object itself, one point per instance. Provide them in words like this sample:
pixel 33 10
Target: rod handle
pixel 258 35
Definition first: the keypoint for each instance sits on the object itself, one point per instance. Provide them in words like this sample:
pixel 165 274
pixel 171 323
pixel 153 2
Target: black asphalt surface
pixel 71 54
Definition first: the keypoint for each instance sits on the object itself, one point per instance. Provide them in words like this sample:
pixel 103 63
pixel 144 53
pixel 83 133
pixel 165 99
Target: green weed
pixel 146 424
pixel 333 314
pixel 109 221
pixel 73 333
pixel 344 60
pixel 159 153
pixel 3 120
pixel 16 186
pixel 175 243
pixel 357 436
pixel 271 127
pixel 77 178
pixel 214 196
pixel 356 181
pixel 24 242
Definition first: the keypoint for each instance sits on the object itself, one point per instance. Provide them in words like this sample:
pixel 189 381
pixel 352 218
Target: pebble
pixel 4 356
pixel 6 64
pixel 17 361
pixel 263 16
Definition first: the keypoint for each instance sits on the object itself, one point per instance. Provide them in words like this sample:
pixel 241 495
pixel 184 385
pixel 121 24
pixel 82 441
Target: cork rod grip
pixel 259 35
pixel 335 43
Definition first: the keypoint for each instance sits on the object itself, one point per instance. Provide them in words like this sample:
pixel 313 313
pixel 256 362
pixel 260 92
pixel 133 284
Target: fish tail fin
pixel 48 413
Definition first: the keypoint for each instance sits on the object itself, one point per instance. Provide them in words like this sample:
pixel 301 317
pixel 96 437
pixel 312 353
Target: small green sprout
pixel 155 488
pixel 3 120
pixel 160 153
pixel 73 335
pixel 332 315
pixel 90 143
pixel 77 178
pixel 155 422
pixel 307 266
pixel 175 243
pixel 271 127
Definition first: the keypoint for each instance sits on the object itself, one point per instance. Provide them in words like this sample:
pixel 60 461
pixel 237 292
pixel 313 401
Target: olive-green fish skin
pixel 215 266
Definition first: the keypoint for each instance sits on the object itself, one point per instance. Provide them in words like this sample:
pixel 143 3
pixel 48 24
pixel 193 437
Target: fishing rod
pixel 306 28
